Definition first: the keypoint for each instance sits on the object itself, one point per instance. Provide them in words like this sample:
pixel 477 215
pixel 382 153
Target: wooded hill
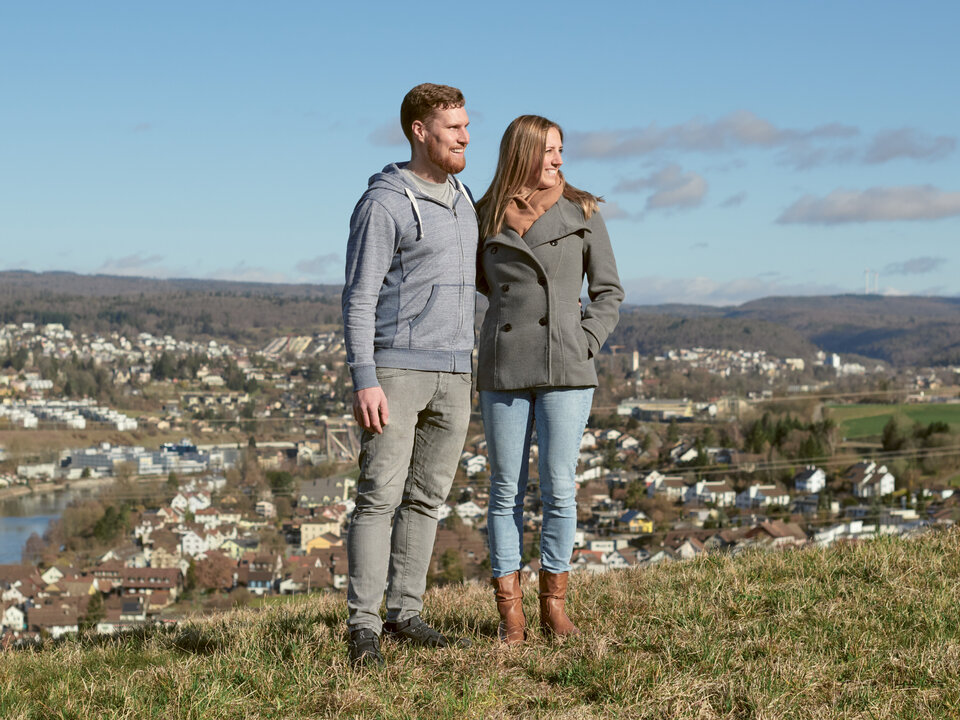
pixel 899 330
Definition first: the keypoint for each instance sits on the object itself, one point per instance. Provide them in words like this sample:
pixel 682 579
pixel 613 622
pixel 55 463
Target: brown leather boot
pixel 553 594
pixel 510 606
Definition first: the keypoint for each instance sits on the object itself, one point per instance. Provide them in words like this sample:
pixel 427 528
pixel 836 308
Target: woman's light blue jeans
pixel 559 416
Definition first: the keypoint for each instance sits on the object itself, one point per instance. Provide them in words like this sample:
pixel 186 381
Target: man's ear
pixel 419 130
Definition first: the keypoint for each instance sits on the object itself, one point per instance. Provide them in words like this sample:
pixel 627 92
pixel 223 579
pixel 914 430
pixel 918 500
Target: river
pixel 22 516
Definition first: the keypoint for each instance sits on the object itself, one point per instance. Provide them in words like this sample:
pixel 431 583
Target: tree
pixel 673 432
pixel 173 482
pixel 453 521
pixel 451 568
pixel 94 612
pixel 33 549
pixel 113 523
pixel 636 494
pixel 214 572
pixel 708 437
pixel 610 459
pixel 190 581
pixel 284 507
pixel 895 435
pixel 280 481
pixel 165 367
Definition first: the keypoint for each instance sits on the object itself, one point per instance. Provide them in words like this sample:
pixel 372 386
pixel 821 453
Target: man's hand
pixel 370 409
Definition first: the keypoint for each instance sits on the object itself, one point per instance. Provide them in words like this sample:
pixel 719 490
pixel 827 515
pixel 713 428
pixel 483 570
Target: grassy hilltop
pixel 855 631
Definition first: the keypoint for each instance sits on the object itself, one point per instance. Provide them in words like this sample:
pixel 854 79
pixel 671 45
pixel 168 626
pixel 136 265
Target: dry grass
pixel 866 631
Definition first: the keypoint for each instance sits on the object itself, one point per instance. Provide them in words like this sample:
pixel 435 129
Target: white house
pixel 672 486
pixel 190 502
pixel 604 546
pixel 469 510
pixel 208 517
pixel 615 560
pixel 52 575
pixel 473 464
pixel 719 493
pixel 810 480
pixel 193 544
pixel 870 480
pixel 13 618
pixel 762 495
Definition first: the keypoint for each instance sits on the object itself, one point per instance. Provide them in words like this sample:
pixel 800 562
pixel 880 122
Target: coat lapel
pixel 557 222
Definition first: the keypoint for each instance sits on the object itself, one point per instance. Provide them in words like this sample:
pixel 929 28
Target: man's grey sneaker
pixel 364 647
pixel 416 631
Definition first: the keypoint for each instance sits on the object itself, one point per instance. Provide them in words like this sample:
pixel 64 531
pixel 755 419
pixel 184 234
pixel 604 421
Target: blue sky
pixel 744 149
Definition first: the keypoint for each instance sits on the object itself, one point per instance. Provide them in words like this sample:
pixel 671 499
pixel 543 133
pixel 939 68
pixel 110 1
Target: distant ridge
pixel 904 330
pixel 70 283
pixel 901 330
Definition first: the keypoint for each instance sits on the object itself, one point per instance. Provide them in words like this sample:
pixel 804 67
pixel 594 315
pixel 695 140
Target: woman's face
pixel 552 160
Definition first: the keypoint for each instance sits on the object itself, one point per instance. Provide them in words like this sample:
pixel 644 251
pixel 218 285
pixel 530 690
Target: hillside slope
pixel 869 630
pixel 898 330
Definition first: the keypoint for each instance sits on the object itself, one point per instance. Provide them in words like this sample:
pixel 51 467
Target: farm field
pixel 863 421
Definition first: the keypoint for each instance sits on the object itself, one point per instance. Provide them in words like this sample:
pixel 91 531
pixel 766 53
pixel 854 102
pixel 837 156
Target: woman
pixel 536 369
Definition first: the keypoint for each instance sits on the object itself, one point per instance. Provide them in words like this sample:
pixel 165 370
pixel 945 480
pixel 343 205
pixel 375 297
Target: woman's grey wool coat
pixel 534 333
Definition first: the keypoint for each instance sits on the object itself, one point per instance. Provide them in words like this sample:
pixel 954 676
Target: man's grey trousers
pixel 405 476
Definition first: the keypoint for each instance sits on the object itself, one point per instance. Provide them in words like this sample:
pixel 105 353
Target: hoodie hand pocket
pixel 437 325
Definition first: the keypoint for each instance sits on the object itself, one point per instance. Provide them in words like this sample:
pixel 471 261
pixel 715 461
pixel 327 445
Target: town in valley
pixel 213 474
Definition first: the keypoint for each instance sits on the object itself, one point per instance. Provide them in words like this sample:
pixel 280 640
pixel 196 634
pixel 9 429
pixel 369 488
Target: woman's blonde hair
pixel 521 155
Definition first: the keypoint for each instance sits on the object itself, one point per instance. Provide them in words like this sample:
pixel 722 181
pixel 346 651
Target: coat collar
pixel 563 219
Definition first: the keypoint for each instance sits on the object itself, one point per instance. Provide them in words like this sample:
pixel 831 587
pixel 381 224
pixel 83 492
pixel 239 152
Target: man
pixel 408 318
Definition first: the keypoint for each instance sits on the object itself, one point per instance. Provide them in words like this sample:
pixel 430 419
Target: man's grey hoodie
pixel 409 296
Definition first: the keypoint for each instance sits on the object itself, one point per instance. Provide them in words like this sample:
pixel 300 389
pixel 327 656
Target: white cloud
pixel 737 130
pixel 389 134
pixel 908 143
pixel 799 148
pixel 136 264
pixel 655 290
pixel 734 200
pixel 241 272
pixel 672 188
pixel 612 210
pixel 915 266
pixel 873 205
pixel 323 267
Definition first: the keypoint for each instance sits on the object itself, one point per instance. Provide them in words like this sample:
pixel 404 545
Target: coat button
pixel 504 287
pixel 493 250
pixel 542 280
pixel 508 327
pixel 543 321
pixel 554 242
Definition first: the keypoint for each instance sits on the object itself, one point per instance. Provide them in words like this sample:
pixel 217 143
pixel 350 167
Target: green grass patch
pixel 863 421
pixel 862 631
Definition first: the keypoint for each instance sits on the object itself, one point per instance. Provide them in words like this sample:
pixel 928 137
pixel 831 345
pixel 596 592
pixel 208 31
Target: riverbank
pixel 51 488
pixel 20 491
pixel 28 510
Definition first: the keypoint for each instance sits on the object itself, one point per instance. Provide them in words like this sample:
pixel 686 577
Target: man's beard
pixel 446 161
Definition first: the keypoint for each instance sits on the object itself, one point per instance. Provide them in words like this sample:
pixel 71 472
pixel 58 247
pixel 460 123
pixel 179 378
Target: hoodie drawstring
pixel 416 207
pixel 416 211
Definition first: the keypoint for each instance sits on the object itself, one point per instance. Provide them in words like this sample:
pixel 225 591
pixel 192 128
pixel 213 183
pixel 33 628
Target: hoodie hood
pixel 391 179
